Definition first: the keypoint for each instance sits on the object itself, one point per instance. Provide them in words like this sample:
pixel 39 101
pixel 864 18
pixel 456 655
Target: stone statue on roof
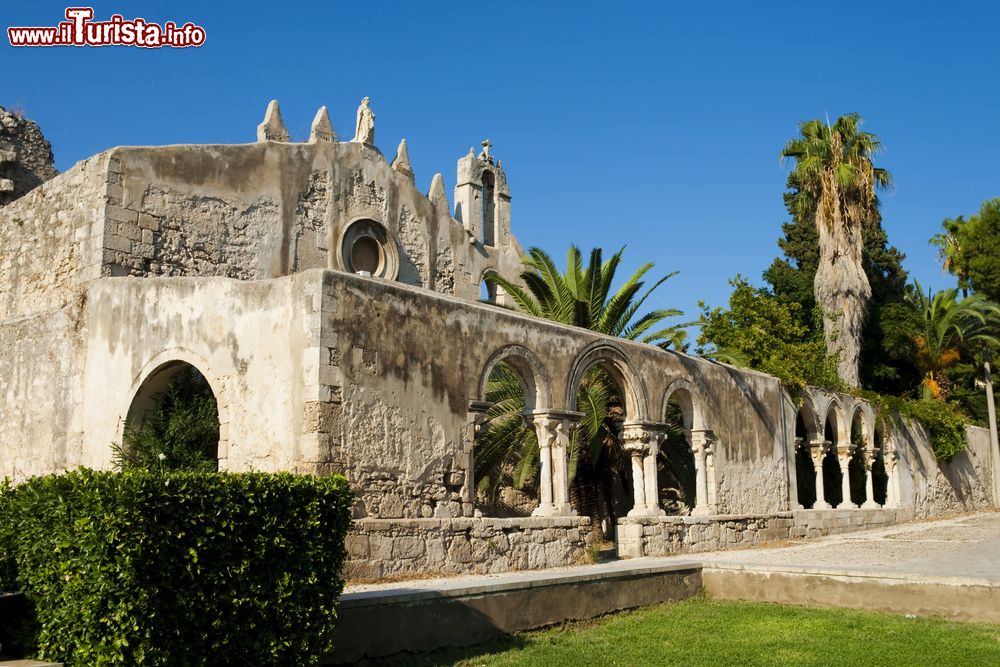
pixel 365 128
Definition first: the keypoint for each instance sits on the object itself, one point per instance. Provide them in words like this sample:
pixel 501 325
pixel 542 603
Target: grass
pixel 708 632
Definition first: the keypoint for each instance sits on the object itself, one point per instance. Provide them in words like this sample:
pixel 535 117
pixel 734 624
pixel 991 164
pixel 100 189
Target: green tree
pixel 970 249
pixel 507 449
pixel 792 279
pixel 835 185
pixel 181 432
pixel 949 251
pixel 760 331
pixel 944 324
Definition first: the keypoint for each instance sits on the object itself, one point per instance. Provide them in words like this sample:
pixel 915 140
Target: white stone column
pixel 701 445
pixel 554 428
pixel 635 441
pixel 713 501
pixel 651 476
pixel 565 426
pixel 869 504
pixel 545 429
pixel 817 451
pixel 844 454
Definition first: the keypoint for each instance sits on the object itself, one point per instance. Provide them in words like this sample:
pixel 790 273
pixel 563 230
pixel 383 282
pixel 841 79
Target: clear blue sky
pixel 653 125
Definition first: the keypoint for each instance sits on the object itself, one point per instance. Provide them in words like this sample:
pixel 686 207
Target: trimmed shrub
pixel 180 568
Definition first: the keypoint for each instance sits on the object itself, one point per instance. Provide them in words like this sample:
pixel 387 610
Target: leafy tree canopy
pixel 970 249
pixel 760 331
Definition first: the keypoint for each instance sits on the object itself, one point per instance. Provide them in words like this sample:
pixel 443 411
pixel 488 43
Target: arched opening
pixel 506 455
pixel 805 473
pixel 676 473
pixel 489 208
pixel 172 422
pixel 487 291
pixel 856 469
pixel 506 467
pixel 880 478
pixel 600 474
pixel 832 478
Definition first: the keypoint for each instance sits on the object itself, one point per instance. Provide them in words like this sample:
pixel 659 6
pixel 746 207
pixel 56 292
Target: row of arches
pixel 601 453
pixel 663 461
pixel 843 457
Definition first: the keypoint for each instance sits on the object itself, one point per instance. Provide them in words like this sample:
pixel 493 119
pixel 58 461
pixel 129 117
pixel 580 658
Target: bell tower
pixel 482 198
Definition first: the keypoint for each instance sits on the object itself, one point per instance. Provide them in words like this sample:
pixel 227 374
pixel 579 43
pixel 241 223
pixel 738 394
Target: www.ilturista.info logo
pixel 79 29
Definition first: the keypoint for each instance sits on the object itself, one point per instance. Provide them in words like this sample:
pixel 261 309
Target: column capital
pixel 476 417
pixel 818 448
pixel 639 436
pixel 702 440
pixel 846 451
pixel 891 458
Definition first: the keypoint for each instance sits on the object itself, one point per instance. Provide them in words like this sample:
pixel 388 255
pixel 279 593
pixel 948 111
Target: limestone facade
pixel 332 307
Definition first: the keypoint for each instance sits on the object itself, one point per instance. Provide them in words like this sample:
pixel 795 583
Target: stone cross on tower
pixel 487 145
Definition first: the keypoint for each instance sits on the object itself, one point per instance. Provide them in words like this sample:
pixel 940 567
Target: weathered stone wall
pixel 405 365
pixel 51 241
pixel 257 343
pixel 961 484
pixel 40 392
pixel 664 536
pixel 269 209
pixel 25 157
pixel 379 548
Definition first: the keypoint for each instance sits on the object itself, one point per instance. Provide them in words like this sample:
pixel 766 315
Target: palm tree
pixel 507 449
pixel 950 250
pixel 582 297
pixel 944 325
pixel 834 182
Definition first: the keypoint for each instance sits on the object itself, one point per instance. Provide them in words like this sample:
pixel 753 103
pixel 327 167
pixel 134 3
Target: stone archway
pixel 692 455
pixel 509 460
pixel 611 452
pixel 151 391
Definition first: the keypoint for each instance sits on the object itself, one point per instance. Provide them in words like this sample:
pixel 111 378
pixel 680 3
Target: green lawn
pixel 706 632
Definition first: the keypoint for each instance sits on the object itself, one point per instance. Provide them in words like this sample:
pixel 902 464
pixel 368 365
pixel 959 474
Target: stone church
pixel 335 311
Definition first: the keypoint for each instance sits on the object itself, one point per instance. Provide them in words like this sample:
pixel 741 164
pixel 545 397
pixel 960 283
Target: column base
pixel 565 510
pixel 846 506
pixel 545 510
pixel 870 505
pixel 822 505
pixel 641 512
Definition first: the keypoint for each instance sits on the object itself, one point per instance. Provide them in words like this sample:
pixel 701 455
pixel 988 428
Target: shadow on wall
pixel 388 634
pixel 962 478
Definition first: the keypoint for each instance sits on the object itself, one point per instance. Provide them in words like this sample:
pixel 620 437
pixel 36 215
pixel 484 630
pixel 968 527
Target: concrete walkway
pixel 946 567
pixel 966 547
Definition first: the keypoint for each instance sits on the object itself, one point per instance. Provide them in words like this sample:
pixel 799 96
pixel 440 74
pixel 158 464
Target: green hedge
pixel 182 568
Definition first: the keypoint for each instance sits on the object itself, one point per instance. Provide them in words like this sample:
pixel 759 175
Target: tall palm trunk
pixel 841 287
